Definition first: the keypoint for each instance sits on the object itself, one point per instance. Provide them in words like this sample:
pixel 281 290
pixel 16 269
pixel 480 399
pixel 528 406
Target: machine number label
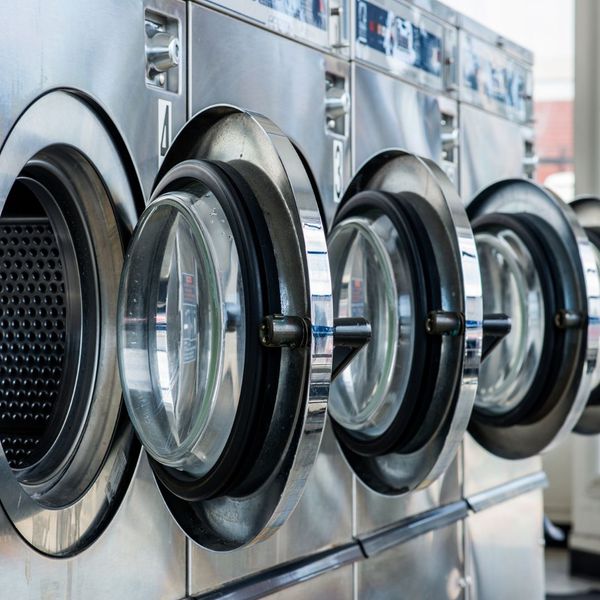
pixel 165 128
pixel 338 170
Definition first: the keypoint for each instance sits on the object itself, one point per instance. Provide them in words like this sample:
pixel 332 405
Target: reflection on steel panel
pixel 505 550
pixel 483 470
pixel 430 567
pixel 492 148
pixel 140 555
pixel 320 521
pixel 391 114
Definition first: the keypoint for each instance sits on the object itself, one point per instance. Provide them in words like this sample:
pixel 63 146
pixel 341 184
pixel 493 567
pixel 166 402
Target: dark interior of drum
pixel 33 329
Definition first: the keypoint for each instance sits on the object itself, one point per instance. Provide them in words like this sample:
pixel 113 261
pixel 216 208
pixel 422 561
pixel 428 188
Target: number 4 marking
pixel 165 128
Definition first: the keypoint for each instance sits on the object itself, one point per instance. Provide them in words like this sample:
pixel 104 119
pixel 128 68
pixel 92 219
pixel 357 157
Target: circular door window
pixel 225 248
pixel 535 267
pixel 402 256
pixel 587 210
pixel 69 450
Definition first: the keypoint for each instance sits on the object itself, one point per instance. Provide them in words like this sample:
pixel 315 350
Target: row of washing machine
pixel 231 235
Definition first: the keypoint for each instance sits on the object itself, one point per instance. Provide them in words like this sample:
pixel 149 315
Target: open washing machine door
pixel 587 210
pixel 226 330
pixel 537 266
pixel 403 255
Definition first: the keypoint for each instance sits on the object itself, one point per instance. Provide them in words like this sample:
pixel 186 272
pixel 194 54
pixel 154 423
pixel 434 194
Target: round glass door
pixel 535 268
pixel 184 336
pixel 402 256
pixel 372 278
pixel 514 289
pixel 228 420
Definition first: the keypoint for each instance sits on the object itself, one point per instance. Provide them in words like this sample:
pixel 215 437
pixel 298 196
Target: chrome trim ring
pixel 430 193
pixel 587 211
pixel 270 165
pixel 96 476
pixel 577 267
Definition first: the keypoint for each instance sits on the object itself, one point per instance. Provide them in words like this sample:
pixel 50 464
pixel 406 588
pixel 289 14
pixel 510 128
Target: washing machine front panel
pixel 389 113
pixel 403 255
pixel 587 209
pixel 297 100
pixel 539 268
pixel 482 134
pixel 225 328
pixel 108 74
pixel 159 553
pixel 302 90
pixel 313 23
pixel 68 450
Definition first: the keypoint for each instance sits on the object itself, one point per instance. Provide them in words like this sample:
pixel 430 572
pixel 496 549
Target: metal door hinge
pixel 350 335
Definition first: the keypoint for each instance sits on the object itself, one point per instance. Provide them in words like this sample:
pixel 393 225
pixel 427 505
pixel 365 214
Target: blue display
pixel 503 84
pixel 398 38
pixel 311 12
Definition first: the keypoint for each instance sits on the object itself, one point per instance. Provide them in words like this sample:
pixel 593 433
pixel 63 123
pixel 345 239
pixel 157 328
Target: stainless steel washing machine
pixel 213 223
pixel 404 95
pixel 308 102
pixel 78 160
pixel 537 266
pixel 223 328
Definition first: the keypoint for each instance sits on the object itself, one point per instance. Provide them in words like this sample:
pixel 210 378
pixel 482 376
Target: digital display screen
pixel 311 12
pixel 495 78
pixel 398 38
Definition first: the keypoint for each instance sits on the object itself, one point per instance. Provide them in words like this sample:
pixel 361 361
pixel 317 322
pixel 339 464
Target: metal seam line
pixel 364 547
pixel 516 487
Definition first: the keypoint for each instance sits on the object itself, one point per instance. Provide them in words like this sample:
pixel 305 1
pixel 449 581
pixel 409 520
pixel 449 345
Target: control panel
pixel 493 79
pixel 406 41
pixel 304 19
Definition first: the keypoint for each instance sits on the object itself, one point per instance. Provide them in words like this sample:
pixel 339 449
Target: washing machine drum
pixel 538 267
pixel 402 255
pixel 225 283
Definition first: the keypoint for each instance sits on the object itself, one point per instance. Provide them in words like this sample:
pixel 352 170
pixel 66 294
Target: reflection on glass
pixel 371 278
pixel 510 285
pixel 183 330
pixel 596 378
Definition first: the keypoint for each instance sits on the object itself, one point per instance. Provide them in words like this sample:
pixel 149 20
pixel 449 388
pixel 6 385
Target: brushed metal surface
pixel 57 44
pixel 321 520
pixel 336 585
pixel 483 470
pixel 504 550
pixel 271 75
pixel 491 148
pixel 373 511
pixel 430 567
pixel 388 113
pixel 140 555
